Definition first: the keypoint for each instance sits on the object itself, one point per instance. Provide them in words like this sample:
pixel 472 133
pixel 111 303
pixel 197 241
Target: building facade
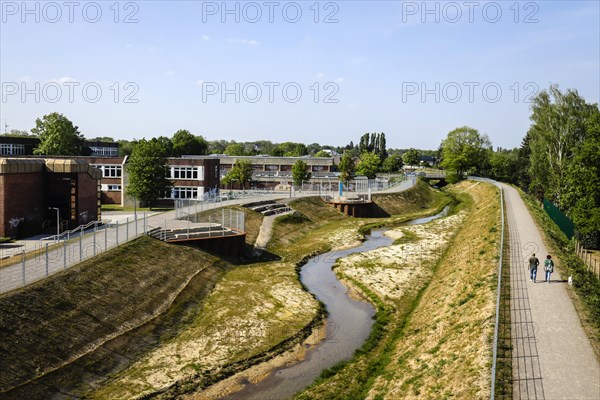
pixel 278 167
pixel 191 178
pixel 24 146
pixel 34 190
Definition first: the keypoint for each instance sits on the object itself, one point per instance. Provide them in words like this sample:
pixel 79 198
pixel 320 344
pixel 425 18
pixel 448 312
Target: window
pixel 111 188
pixel 195 173
pixel 109 171
pixel 184 193
pixel 105 151
pixel 12 149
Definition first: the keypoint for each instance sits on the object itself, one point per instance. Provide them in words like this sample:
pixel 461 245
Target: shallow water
pixel 348 324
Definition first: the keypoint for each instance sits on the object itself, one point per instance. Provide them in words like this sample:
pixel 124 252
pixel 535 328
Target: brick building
pixel 31 189
pixel 24 146
pixel 191 178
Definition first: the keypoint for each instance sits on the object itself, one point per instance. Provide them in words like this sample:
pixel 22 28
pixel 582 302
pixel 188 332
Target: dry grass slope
pixel 446 350
pixel 431 338
pixel 48 327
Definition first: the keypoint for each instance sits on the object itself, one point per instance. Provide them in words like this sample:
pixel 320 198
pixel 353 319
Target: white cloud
pixel 320 75
pixel 169 72
pixel 206 38
pixel 244 41
pixel 339 80
pixel 64 79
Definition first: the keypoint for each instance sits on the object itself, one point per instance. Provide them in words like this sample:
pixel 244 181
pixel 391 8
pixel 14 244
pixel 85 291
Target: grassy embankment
pixel 585 291
pixel 80 325
pixel 259 310
pixel 255 312
pixel 433 329
pixel 316 228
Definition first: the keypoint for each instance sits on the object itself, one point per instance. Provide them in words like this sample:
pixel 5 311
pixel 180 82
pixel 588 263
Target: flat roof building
pixel 33 189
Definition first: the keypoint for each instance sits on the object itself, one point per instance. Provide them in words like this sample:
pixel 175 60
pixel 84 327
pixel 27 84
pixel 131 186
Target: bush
pixel 293 218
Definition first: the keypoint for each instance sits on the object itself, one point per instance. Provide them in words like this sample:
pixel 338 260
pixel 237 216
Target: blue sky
pixel 413 70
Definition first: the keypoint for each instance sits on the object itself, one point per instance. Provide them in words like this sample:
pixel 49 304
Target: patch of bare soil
pixel 388 270
pixel 261 371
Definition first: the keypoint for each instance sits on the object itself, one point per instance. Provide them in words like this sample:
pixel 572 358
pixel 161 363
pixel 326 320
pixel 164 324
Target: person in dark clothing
pixel 533 266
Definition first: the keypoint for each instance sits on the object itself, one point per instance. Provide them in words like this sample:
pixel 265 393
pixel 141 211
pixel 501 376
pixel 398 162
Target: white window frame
pixel 186 192
pixel 9 149
pixel 110 170
pixel 186 173
pixel 105 151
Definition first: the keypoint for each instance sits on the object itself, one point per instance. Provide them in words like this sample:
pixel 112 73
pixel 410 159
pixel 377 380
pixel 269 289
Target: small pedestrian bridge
pixel 353 205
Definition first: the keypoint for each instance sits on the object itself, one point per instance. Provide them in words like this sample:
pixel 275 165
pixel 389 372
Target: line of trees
pixel 559 157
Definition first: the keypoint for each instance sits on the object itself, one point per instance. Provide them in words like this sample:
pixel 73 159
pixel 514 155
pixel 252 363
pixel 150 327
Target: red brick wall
pixel 112 197
pixel 87 198
pixel 22 196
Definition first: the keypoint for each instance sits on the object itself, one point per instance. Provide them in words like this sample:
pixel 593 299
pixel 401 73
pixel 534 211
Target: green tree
pixel 581 196
pixel 235 149
pixel 363 145
pixel 148 170
pixel 17 133
pixel 392 164
pixel 106 139
pixel 126 147
pixel 523 164
pixel 300 172
pixel 167 144
pixel 217 146
pixel 313 148
pixel 58 136
pixel 322 153
pixel 504 165
pixel 346 167
pixel 291 149
pixel 381 150
pixel 558 126
pixel 411 157
pixel 240 172
pixel 184 143
pixel 465 151
pixel 368 165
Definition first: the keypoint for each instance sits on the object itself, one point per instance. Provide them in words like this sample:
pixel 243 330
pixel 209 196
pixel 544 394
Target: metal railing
pixel 66 235
pixel 48 258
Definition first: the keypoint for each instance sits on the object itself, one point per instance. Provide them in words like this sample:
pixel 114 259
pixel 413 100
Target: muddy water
pixel 348 324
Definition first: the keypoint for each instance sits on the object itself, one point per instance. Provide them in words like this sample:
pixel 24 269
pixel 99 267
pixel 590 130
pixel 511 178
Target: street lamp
pixel 57 220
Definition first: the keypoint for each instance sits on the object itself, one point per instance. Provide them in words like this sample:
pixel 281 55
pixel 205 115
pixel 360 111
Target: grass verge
pixel 504 376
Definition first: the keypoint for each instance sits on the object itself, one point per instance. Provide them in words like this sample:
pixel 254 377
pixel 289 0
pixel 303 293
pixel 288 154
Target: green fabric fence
pixel 564 223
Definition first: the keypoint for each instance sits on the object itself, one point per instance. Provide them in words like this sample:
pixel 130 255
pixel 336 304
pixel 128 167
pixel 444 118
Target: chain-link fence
pixel 51 256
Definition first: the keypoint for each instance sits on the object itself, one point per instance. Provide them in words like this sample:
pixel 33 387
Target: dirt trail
pixel 266 231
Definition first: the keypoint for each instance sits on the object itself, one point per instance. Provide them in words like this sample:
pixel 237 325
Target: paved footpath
pixel 552 356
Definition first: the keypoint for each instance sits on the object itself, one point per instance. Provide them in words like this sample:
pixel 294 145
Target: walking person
pixel 533 266
pixel 548 267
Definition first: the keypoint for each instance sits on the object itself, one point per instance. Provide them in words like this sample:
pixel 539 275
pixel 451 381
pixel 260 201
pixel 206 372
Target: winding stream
pixel 348 324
